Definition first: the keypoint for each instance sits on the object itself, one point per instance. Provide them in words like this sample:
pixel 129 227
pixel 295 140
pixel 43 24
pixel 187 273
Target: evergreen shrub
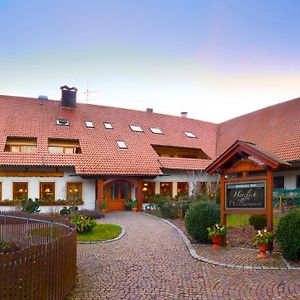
pixel 258 221
pixel 199 217
pixel 288 235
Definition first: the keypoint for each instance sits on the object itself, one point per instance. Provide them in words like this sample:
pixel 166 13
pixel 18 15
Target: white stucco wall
pixel 88 189
pixel 289 178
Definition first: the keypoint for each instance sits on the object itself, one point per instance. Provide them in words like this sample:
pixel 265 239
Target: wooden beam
pixel 270 200
pixel 30 174
pixel 100 193
pixel 139 193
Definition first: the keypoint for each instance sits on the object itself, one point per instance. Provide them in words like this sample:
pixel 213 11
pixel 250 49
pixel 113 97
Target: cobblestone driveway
pixel 152 262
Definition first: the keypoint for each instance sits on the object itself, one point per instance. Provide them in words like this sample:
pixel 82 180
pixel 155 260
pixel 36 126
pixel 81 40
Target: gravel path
pixel 152 262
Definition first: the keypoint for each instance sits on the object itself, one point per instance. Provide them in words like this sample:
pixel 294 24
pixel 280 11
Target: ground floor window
pixel 20 190
pixel 182 188
pixel 279 182
pixel 148 190
pixel 166 188
pixel 74 191
pixel 47 191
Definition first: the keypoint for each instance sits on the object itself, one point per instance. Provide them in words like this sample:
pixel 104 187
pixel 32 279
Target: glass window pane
pixel 74 191
pixel 166 188
pixel 69 150
pixel 182 188
pixel 47 191
pixel 56 149
pixel 20 190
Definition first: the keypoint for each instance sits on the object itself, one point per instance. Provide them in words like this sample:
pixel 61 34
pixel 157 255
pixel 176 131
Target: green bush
pixel 199 217
pixel 159 200
pixel 30 206
pixel 258 221
pixel 169 210
pixel 288 235
pixel 68 211
pixel 83 223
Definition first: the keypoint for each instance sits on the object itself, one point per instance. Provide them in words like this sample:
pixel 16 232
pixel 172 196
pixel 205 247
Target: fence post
pixel 5 228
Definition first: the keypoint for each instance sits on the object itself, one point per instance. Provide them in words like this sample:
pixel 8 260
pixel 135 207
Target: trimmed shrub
pixel 258 221
pixel 159 200
pixel 83 223
pixel 68 211
pixel 94 214
pixel 199 217
pixel 169 210
pixel 288 235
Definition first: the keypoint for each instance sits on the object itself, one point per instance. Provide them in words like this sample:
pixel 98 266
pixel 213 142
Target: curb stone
pixel 123 232
pixel 195 255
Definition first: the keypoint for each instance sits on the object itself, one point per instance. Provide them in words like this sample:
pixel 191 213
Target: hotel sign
pixel 245 195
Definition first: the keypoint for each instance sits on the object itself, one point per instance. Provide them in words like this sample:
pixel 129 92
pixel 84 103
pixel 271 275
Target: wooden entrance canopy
pixel 246 183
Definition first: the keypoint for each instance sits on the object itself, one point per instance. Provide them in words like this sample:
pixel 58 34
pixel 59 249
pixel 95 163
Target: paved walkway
pixel 152 262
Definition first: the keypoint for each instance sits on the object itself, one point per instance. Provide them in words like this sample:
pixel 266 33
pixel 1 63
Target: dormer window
pixel 62 122
pixel 89 124
pixel 156 130
pixel 136 128
pixel 107 125
pixel 189 134
pixel 122 145
pixel 18 144
pixel 62 146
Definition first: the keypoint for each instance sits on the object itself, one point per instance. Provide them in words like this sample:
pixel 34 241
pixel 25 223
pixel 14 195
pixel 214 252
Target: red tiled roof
pixel 175 163
pixel 29 117
pixel 275 129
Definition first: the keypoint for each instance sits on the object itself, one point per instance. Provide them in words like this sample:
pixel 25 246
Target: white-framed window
pixel 89 124
pixel 156 130
pixel 136 128
pixel 189 134
pixel 108 125
pixel 122 145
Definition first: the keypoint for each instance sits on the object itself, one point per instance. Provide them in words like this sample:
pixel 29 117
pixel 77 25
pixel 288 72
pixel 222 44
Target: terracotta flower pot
pixel 216 242
pixel 263 248
pixel 134 209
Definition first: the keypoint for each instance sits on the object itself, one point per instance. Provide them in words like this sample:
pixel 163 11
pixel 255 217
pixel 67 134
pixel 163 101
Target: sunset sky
pixel 214 59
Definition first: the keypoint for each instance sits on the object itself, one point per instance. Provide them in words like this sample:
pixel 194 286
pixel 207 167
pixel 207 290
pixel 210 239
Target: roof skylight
pixel 107 125
pixel 89 124
pixel 122 145
pixel 156 130
pixel 189 134
pixel 62 122
pixel 136 128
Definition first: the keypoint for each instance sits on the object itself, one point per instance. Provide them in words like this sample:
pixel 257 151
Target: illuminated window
pixel 89 124
pixel 20 190
pixel 166 189
pixel 74 191
pixel 122 145
pixel 47 191
pixel 64 146
pixel 148 190
pixel 155 130
pixel 182 188
pixel 107 125
pixel 136 128
pixel 26 145
pixel 189 134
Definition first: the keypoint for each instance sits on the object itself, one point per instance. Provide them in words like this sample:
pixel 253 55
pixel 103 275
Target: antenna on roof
pixel 88 92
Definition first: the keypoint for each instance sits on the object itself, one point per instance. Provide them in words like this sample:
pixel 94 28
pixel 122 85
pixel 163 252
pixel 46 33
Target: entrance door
pixel 118 192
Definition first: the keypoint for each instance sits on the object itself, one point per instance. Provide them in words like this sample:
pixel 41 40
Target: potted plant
pixel 134 205
pixel 128 204
pixel 264 241
pixel 216 233
pixel 104 207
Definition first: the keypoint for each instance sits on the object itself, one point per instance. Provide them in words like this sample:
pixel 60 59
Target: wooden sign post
pixel 246 183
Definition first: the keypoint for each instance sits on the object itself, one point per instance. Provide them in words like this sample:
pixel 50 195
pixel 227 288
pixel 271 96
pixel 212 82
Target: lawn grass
pixel 243 220
pixel 101 232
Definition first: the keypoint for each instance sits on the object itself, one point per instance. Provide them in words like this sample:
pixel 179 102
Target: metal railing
pixel 45 265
